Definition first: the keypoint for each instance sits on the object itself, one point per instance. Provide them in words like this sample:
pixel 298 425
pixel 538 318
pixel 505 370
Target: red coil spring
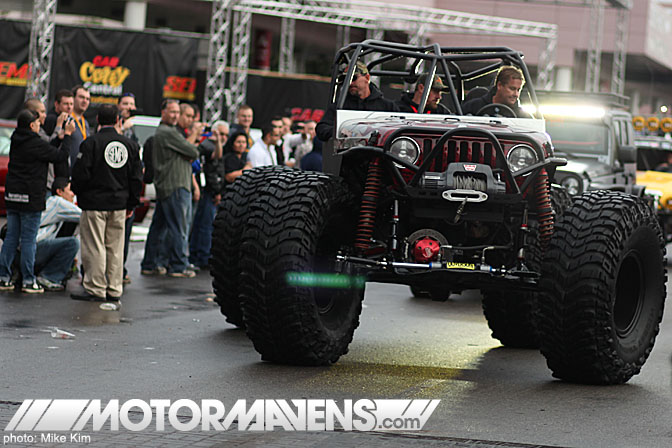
pixel 546 217
pixel 367 211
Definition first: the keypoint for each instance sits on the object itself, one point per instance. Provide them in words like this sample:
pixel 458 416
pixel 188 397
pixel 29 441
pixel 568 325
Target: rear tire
pixel 226 236
pixel 603 289
pixel 512 315
pixel 295 309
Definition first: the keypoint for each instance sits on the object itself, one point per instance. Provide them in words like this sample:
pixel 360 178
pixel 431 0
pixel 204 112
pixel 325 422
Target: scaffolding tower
pixel 41 49
pixel 374 16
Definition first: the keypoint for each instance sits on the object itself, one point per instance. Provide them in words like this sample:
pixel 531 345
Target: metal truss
pixel 287 39
pixel 546 65
pixel 621 51
pixel 215 86
pixel 41 49
pixel 240 58
pixel 593 56
pixel 342 36
pixel 417 22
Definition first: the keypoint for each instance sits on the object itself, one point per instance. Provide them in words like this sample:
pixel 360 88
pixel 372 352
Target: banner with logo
pixel 152 66
pixel 303 97
pixel 14 71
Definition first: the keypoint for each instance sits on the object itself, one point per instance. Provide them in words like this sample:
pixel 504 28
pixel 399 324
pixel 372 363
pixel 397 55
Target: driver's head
pixel 437 87
pixel 508 83
pixel 360 81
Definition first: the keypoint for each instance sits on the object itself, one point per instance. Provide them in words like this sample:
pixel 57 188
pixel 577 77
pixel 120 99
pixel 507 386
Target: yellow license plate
pixel 469 266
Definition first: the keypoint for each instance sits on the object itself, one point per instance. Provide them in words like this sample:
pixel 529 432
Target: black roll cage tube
pixel 436 54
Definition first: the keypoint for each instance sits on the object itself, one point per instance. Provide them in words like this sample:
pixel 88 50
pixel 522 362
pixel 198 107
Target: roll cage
pixel 456 66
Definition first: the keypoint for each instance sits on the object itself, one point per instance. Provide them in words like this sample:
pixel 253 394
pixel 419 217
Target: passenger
pixel 411 103
pixel 508 84
pixel 362 95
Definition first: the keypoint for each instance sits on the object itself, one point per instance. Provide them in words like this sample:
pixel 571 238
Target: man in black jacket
pixel 508 84
pixel 411 103
pixel 362 95
pixel 107 178
pixel 25 195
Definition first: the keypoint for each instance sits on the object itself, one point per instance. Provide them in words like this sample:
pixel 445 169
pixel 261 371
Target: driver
pixel 508 84
pixel 362 95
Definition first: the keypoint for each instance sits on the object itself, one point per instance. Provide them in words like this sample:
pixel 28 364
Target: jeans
pixel 170 218
pixel 201 231
pixel 21 232
pixel 54 257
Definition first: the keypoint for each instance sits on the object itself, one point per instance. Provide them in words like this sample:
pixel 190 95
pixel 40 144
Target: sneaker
pixel 187 273
pixel 32 289
pixel 48 285
pixel 159 270
pixel 6 285
pixel 127 279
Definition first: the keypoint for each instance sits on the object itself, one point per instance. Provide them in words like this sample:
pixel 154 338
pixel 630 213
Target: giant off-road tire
pixel 603 289
pixel 512 315
pixel 560 200
pixel 226 236
pixel 296 311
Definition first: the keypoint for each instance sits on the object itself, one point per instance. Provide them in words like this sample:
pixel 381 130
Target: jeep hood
pixel 362 124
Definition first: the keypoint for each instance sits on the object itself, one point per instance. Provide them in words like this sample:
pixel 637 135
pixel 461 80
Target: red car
pixel 6 130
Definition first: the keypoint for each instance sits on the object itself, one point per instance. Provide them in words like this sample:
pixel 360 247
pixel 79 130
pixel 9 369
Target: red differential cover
pixel 426 250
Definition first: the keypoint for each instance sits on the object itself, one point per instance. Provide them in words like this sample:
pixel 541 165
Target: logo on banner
pixel 180 88
pixel 301 114
pixel 116 154
pixel 207 415
pixel 13 75
pixel 104 78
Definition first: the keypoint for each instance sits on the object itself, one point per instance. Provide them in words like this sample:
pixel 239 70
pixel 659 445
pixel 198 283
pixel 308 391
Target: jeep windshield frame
pixel 456 66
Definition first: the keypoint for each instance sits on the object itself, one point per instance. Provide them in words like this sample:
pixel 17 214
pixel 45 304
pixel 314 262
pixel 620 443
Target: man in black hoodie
pixel 362 95
pixel 107 178
pixel 411 102
pixel 25 195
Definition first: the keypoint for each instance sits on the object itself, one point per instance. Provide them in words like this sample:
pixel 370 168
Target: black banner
pixel 152 66
pixel 304 97
pixel 14 71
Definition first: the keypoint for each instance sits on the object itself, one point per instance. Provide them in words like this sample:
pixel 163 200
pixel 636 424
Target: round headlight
pixel 572 184
pixel 406 149
pixel 521 156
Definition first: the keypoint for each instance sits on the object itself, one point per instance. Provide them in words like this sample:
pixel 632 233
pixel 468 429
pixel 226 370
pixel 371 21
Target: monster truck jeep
pixel 440 202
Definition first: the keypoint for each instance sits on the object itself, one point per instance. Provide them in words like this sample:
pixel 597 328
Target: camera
pixel 207 129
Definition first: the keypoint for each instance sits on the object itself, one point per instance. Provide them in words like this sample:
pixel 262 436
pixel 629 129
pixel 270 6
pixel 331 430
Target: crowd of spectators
pixel 189 163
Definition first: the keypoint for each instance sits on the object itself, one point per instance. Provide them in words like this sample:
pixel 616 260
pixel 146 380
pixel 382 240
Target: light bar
pixel 566 110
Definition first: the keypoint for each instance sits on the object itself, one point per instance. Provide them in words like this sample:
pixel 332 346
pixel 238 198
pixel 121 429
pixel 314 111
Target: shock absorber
pixel 545 211
pixel 367 210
